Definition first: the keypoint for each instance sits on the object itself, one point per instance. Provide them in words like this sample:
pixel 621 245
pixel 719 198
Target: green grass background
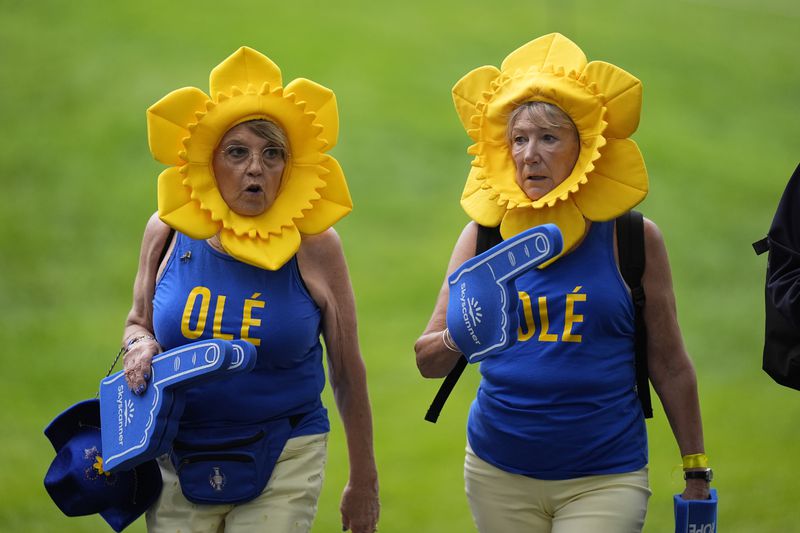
pixel 719 133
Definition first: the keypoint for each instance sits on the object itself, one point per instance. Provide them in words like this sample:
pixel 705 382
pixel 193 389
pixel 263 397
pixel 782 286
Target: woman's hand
pixel 696 489
pixel 139 353
pixel 360 507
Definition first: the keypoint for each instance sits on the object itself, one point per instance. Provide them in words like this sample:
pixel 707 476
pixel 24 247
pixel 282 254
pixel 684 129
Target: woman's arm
pixel 671 370
pixel 324 270
pixel 434 358
pixel 138 337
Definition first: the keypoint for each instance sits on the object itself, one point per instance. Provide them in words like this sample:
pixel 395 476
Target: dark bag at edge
pixel 781 359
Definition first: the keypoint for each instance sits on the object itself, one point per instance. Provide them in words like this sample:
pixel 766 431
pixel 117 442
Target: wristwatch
pixel 706 474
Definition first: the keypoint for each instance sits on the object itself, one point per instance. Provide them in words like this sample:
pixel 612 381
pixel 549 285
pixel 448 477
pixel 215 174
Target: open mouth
pixel 536 178
pixel 253 189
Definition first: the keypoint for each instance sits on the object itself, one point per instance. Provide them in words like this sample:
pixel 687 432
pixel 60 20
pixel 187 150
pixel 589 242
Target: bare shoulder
pixel 654 244
pixel 464 247
pixel 320 247
pixel 651 232
pixel 323 268
pixel 470 232
pixel 154 244
pixel 657 272
pixel 155 233
pixel 467 239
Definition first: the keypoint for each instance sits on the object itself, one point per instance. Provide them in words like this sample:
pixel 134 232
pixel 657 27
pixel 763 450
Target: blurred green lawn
pixel 719 133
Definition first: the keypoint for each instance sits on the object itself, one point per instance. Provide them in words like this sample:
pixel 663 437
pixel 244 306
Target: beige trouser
pixel 502 502
pixel 288 503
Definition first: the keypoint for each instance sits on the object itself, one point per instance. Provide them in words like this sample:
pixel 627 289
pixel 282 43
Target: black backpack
pixel 630 246
pixel 781 358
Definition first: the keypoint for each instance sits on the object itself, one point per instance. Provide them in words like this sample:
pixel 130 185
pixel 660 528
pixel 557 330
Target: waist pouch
pixel 229 465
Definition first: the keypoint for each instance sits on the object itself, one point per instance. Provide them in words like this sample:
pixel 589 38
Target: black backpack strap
pixel 166 247
pixel 487 237
pixel 761 246
pixel 630 246
pixel 444 390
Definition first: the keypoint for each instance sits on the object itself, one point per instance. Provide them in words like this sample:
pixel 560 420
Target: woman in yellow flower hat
pixel 556 435
pixel 242 248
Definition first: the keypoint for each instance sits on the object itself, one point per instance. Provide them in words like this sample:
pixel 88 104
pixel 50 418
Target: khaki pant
pixel 288 503
pixel 502 502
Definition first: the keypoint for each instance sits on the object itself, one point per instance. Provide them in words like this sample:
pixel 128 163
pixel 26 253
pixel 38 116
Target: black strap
pixel 487 237
pixel 761 246
pixel 166 247
pixel 444 390
pixel 630 246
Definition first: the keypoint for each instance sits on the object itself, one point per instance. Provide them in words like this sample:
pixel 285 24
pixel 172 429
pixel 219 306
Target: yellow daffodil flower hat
pixel 604 102
pixel 184 128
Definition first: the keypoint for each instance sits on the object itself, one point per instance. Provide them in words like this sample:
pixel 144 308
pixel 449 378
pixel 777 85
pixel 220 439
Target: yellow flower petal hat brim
pixel 186 126
pixel 604 102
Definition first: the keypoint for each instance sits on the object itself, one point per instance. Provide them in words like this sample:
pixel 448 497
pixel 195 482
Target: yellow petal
pixel 468 91
pixel 473 183
pixel 322 102
pixel 298 189
pixel 334 203
pixel 177 209
pixel 483 207
pixel 168 120
pixel 617 184
pixel 501 171
pixel 565 215
pixel 546 51
pixel 622 93
pixel 204 190
pixel 270 254
pixel 242 68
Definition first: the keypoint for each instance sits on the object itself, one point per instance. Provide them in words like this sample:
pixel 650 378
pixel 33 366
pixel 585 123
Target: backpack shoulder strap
pixel 761 246
pixel 487 237
pixel 166 246
pixel 630 247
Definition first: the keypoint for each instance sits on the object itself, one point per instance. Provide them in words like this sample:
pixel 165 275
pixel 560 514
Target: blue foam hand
pixel 482 309
pixel 244 356
pixel 696 516
pixel 137 428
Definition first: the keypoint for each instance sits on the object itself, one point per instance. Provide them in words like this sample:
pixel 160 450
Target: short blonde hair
pixel 268 130
pixel 543 114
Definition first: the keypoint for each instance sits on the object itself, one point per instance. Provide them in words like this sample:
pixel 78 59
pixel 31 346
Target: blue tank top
pixel 204 294
pixel 560 403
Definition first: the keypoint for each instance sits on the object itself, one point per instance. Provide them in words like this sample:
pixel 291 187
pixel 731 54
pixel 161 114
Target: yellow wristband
pixel 695 460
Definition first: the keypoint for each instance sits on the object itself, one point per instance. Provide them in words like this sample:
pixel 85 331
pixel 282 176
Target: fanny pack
pixel 231 464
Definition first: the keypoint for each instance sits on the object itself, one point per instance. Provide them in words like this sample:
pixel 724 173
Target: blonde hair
pixel 268 130
pixel 544 115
